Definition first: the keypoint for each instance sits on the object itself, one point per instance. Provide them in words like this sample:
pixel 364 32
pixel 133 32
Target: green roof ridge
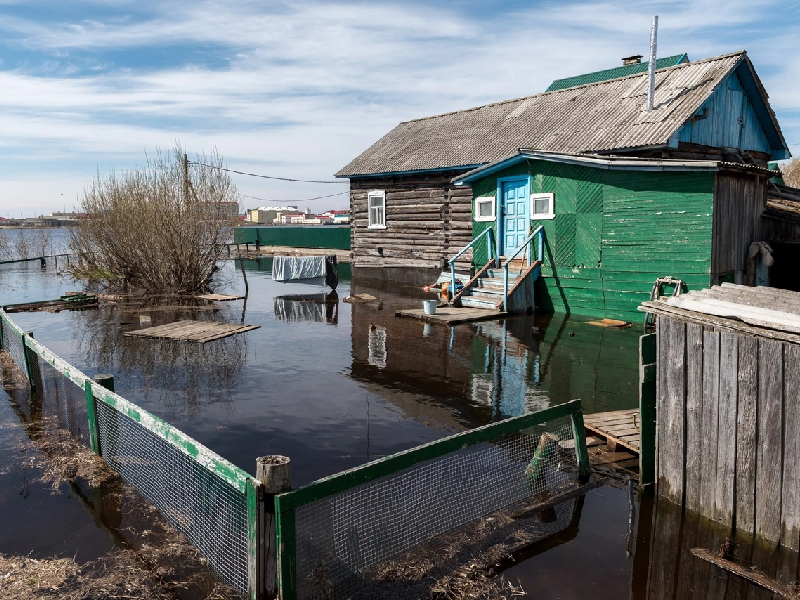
pixel 615 73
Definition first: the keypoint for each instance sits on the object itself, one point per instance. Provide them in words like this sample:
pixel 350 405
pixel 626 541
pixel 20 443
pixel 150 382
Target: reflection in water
pixel 315 308
pixel 176 374
pixel 664 566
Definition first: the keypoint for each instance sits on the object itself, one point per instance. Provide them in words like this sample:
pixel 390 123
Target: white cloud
pixel 309 85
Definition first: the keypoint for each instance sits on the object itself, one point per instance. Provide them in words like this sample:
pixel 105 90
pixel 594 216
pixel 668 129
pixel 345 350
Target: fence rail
pixel 349 522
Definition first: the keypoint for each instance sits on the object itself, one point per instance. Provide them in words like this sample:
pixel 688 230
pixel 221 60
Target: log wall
pixel 728 417
pixel 428 221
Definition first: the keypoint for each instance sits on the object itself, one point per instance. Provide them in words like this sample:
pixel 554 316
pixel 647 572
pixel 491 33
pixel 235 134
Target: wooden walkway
pixel 192 331
pixel 219 297
pixel 618 428
pixel 449 315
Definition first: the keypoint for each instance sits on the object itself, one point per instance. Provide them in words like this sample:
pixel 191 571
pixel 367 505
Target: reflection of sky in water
pixel 328 383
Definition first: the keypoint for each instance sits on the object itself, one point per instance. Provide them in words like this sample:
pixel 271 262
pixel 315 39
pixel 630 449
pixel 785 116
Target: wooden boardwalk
pixel 618 428
pixel 192 331
pixel 449 315
pixel 219 297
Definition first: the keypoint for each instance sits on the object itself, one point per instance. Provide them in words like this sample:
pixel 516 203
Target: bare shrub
pixel 156 229
pixel 6 253
pixel 791 173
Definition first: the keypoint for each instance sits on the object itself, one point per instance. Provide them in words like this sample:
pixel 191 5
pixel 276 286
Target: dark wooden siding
pixel 428 220
pixel 739 201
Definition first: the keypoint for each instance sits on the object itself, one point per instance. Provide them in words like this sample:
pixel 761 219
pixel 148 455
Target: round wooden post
pixel 107 381
pixel 275 474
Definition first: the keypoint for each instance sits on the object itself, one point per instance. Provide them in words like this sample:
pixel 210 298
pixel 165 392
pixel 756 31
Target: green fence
pixel 320 236
pixel 345 524
pixel 207 498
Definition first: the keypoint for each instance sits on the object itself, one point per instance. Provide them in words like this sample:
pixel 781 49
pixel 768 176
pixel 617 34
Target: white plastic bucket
pixel 429 306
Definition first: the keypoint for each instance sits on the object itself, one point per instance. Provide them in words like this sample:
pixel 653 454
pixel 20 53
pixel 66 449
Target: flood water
pixel 333 385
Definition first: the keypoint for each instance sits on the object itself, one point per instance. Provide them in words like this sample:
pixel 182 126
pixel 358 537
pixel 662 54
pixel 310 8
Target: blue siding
pixel 731 121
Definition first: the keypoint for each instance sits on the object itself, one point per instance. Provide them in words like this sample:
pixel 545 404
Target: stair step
pixel 493 284
pixel 489 294
pixel 472 302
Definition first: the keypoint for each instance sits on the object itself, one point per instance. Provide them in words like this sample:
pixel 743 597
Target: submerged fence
pixel 323 539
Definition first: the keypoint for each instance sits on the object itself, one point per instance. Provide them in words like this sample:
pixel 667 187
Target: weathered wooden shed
pixel 727 407
pixel 408 219
pixel 613 225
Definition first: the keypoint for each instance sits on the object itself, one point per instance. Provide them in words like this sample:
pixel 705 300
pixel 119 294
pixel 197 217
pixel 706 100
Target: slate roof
pixel 594 118
pixel 622 71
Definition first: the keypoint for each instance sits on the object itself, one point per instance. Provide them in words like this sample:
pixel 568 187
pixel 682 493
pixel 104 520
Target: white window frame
pixel 491 201
pixel 543 215
pixel 374 223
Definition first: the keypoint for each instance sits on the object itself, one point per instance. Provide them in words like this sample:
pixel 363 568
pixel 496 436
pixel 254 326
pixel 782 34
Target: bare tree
pixel 791 173
pixel 159 228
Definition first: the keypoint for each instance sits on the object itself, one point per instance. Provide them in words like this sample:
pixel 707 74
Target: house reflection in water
pixel 486 371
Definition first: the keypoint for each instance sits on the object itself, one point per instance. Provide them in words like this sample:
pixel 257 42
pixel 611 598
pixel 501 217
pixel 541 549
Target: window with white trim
pixel 376 205
pixel 484 208
pixel 542 206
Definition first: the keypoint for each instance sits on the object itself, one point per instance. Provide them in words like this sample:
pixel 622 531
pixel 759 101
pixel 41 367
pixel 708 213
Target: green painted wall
pixel 614 233
pixel 319 236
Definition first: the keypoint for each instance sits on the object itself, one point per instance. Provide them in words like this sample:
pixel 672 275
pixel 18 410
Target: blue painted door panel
pixel 516 216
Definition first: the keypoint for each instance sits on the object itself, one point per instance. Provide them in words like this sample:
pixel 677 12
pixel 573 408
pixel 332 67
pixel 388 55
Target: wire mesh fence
pixel 345 525
pixel 199 493
pixel 210 512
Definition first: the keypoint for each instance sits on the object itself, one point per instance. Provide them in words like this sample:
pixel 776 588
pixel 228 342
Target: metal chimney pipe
pixel 651 67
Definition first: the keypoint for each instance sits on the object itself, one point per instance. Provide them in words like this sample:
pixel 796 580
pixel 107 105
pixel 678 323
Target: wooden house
pixel 594 147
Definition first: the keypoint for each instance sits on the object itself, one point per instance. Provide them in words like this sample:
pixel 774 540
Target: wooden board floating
pixel 192 331
pixel 219 297
pixel 619 428
pixel 448 315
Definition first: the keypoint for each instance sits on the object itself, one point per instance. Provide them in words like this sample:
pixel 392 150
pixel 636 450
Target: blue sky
pixel 297 89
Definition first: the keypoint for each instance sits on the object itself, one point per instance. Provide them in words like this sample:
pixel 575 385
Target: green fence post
pixel 287 552
pixel 29 356
pixel 255 503
pixel 91 412
pixel 647 412
pixel 579 434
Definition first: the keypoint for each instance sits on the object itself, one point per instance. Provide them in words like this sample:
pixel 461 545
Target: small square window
pixel 484 208
pixel 542 206
pixel 376 205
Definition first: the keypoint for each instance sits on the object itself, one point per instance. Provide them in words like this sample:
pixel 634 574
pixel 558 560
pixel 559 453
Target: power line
pixel 264 176
pixel 298 201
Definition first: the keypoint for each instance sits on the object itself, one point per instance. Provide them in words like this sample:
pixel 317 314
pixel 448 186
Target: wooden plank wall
pixel 739 200
pixel 428 221
pixel 728 446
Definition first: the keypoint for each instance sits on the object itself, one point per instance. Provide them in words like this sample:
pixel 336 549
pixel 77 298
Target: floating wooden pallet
pixel 192 331
pixel 219 297
pixel 619 428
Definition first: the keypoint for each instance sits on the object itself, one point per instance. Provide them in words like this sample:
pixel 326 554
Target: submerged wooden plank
pixel 694 414
pixel 449 315
pixel 193 331
pixel 790 503
pixel 770 431
pixel 710 409
pixel 219 297
pixel 726 440
pixel 747 398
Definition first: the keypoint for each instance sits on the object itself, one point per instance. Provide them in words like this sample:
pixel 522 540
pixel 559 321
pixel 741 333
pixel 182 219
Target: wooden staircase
pixel 485 289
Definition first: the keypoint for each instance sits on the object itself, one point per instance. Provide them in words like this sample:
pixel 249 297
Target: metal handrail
pixel 538 231
pixel 489 233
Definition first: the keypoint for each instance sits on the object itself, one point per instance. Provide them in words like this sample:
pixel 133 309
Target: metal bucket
pixel 429 306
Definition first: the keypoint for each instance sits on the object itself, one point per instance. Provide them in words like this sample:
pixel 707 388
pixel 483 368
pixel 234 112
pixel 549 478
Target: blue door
pixel 516 216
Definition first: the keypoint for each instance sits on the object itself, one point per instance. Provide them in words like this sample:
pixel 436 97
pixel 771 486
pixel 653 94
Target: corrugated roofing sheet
pixel 615 73
pixel 596 117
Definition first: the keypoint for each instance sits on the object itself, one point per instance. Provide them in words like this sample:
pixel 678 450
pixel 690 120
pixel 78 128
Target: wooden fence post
pixel 647 412
pixel 274 473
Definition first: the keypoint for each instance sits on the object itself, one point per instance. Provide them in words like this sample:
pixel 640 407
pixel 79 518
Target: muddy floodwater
pixel 333 385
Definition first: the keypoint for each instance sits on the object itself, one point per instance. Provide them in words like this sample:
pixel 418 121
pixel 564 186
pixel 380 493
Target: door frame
pixel 500 216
